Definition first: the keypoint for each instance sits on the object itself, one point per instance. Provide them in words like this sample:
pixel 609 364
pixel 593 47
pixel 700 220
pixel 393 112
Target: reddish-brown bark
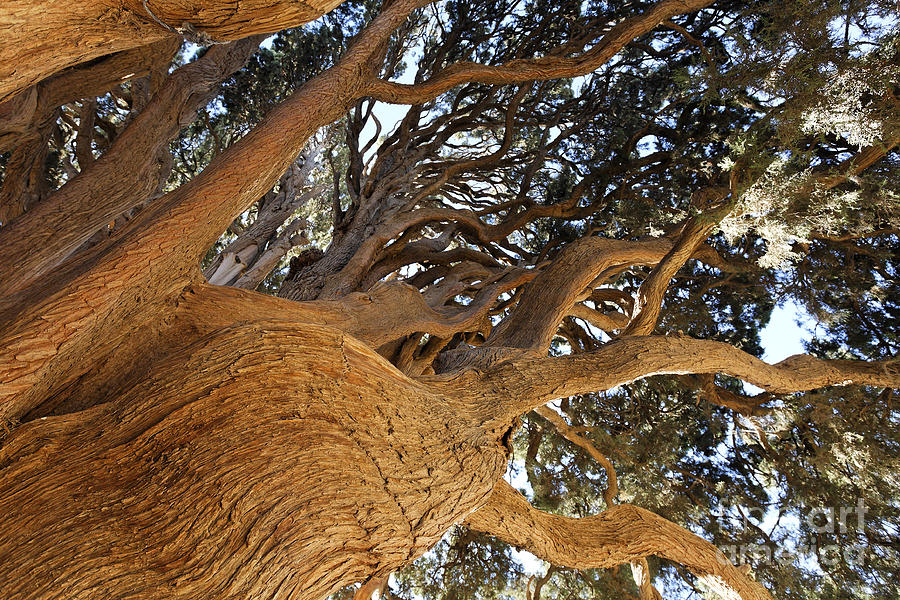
pixel 44 37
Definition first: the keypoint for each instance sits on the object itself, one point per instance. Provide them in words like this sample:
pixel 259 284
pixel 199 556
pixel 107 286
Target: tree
pixel 616 241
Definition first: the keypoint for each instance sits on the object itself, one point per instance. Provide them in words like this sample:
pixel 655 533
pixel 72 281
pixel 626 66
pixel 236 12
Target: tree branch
pixel 618 535
pixel 553 293
pixel 565 430
pixel 510 389
pixel 534 69
pixel 42 37
pixel 27 112
pixel 125 176
pixel 385 313
pixel 653 289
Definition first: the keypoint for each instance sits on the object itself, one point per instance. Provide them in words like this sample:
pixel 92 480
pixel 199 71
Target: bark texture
pixel 168 437
pixel 531 382
pixel 257 462
pixel 617 535
pixel 56 227
pixel 45 37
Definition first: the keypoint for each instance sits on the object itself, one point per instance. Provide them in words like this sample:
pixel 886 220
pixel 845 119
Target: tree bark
pixel 44 37
pixel 261 460
pixel 618 535
pixel 173 439
pixel 553 293
pixel 56 227
pixel 527 383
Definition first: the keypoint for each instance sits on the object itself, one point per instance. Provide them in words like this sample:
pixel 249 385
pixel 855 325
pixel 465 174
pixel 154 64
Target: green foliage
pixel 464 566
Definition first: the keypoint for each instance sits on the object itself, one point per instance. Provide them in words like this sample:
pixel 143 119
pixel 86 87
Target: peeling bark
pixel 259 247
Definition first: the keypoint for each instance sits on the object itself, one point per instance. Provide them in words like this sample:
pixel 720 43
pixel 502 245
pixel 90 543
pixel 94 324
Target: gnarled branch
pixel 510 389
pixel 54 228
pixel 621 534
pixel 534 69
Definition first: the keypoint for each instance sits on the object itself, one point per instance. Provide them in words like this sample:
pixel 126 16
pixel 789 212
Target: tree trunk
pixel 261 460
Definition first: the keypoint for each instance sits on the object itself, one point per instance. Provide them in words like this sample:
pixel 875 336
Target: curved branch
pixel 155 256
pixel 249 168
pixel 608 322
pixel 183 483
pixel 124 177
pixel 510 389
pixel 27 112
pixel 553 293
pixel 653 289
pixel 385 313
pixel 534 69
pixel 856 164
pixel 621 534
pixel 566 431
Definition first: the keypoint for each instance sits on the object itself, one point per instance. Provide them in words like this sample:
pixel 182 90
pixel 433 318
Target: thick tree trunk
pixel 260 461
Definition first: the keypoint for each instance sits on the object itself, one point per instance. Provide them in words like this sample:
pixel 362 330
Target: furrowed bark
pixel 280 457
pixel 47 345
pixel 25 181
pixel 42 37
pixel 618 535
pixel 98 299
pixel 124 177
pixel 513 388
pixel 292 460
pixel 385 313
pixel 249 168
